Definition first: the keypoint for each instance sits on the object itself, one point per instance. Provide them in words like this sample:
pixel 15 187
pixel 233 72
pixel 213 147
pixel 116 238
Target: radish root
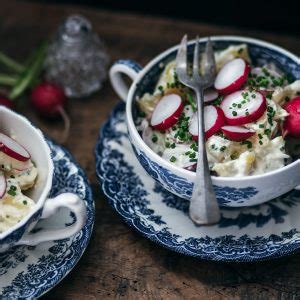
pixel 67 123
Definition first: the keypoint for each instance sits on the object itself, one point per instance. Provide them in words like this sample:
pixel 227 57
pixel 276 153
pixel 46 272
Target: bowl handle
pixel 123 67
pixel 51 206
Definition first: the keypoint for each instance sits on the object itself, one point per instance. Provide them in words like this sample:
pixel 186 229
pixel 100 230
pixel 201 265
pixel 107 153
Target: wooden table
pixel 118 262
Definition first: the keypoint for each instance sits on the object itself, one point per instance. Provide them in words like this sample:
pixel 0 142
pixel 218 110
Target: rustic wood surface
pixel 118 262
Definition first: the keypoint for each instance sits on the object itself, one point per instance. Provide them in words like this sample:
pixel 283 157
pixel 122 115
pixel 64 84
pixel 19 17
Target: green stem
pixel 30 74
pixel 10 63
pixel 7 80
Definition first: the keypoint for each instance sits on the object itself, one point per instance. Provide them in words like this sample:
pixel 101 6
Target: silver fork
pixel 204 208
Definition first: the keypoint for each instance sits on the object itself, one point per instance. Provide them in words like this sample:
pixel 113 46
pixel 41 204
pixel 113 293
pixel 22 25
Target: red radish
pixel 2 184
pixel 232 76
pixel 191 167
pixel 291 125
pixel 213 121
pixel 12 148
pixel 265 93
pixel 243 107
pixel 210 95
pixel 167 112
pixel 237 133
pixel 6 102
pixel 50 100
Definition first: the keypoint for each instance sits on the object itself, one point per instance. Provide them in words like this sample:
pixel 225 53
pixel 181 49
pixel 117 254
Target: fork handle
pixel 204 208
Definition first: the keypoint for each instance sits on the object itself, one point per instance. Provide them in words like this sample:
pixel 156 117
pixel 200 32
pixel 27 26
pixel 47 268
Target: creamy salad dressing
pixel 261 153
pixel 14 204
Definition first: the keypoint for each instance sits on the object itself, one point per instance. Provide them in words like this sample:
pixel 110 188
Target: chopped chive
pixel 172 159
pixel 248 143
pixel 12 193
pixel 154 138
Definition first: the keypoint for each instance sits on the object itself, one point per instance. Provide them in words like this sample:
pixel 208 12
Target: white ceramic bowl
pixel 33 140
pixel 245 191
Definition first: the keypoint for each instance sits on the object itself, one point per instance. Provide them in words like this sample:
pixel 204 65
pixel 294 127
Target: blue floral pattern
pixel 274 212
pixel 28 272
pixel 129 63
pixel 244 234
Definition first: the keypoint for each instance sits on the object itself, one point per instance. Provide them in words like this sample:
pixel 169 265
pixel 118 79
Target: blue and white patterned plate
pixel 27 272
pixel 244 234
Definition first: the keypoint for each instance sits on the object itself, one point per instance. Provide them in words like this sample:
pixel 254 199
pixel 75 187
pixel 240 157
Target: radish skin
pixel 191 167
pixel 232 76
pixel 237 133
pixel 291 125
pixel 6 102
pixel 2 184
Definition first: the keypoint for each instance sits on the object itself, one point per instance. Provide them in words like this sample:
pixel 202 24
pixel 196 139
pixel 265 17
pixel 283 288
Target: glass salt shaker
pixel 76 58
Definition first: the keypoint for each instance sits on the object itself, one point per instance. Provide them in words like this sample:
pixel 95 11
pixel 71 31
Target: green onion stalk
pixel 22 77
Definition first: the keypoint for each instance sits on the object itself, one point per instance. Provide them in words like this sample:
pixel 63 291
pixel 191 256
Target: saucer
pixel 28 272
pixel 246 234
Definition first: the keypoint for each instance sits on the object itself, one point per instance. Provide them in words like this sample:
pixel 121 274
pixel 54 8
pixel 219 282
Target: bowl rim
pixel 48 184
pixel 158 159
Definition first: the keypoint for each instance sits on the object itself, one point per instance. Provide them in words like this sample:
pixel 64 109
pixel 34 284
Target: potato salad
pixel 249 112
pixel 17 175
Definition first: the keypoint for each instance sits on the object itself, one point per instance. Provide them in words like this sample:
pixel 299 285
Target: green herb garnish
pixel 172 159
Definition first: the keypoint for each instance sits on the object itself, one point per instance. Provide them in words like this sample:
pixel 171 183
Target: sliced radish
pixel 191 167
pixel 237 133
pixel 291 123
pixel 240 109
pixel 167 112
pixel 210 95
pixel 2 184
pixel 213 121
pixel 265 93
pixel 232 76
pixel 12 148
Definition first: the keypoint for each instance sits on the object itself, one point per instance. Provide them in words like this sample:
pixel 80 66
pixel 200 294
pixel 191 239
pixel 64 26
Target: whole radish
pixel 49 100
pixel 6 102
pixel 291 125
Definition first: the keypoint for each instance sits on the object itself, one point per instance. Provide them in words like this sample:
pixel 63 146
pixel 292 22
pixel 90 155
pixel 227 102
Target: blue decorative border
pixel 223 248
pixel 18 289
pixel 129 63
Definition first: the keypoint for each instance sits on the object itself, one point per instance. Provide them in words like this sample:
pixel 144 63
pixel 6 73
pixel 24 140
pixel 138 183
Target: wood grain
pixel 119 263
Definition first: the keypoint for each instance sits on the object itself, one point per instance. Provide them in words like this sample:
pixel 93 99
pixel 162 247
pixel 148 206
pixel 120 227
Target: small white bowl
pixel 245 191
pixel 33 140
